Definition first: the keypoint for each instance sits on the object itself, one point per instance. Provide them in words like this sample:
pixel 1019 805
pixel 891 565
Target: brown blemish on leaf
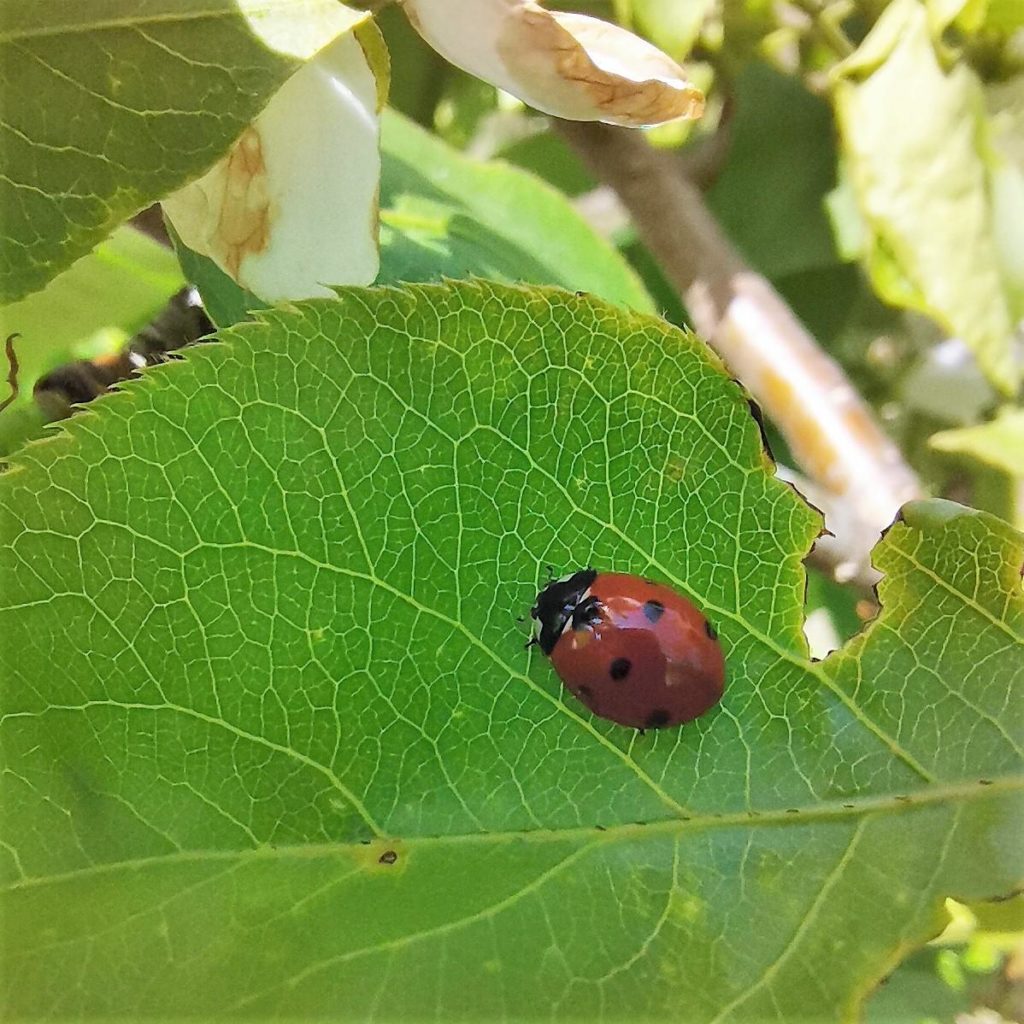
pixel 675 468
pixel 380 855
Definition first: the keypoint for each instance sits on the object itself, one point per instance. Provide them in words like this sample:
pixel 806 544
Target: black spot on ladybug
pixel 710 630
pixel 657 718
pixel 653 610
pixel 619 668
pixel 388 857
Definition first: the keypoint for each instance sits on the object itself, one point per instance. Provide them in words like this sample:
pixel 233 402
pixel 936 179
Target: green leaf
pixel 917 993
pixel 445 215
pixel 672 26
pixel 770 196
pixel 273 746
pixel 109 106
pixel 999 443
pixel 1004 16
pixel 993 454
pixel 419 83
pixel 910 133
pixel 1005 139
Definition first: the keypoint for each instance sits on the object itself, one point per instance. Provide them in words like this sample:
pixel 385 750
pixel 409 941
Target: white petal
pixel 292 208
pixel 568 65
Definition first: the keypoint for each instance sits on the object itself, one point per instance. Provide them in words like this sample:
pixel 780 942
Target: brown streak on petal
pixel 627 101
pixel 243 227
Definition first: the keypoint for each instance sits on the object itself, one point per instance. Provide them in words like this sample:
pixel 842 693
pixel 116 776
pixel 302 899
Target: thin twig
pixel 12 371
pixel 829 428
pixel 826 22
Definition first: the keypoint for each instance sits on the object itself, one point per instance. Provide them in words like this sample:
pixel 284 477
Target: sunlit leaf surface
pixel 273 746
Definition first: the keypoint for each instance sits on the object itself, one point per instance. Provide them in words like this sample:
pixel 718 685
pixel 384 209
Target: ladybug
pixel 633 651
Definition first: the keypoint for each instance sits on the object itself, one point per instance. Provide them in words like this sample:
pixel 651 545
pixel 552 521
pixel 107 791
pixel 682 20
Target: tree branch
pixel 859 475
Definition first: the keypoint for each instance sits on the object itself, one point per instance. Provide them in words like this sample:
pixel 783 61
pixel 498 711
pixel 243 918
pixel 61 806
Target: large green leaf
pixel 273 745
pixel 109 105
pixel 913 136
pixel 445 215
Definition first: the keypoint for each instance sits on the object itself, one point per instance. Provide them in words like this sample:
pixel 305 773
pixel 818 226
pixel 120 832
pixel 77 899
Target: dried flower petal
pixel 569 65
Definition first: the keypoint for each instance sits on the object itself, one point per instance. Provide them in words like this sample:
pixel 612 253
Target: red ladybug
pixel 635 652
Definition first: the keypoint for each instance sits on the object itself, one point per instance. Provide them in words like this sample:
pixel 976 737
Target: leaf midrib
pixel 850 809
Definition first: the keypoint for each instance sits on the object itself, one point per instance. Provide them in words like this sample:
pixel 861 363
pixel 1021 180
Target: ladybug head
pixel 556 603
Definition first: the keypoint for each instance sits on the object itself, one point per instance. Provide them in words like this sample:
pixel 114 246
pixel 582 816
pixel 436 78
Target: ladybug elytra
pixel 633 651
